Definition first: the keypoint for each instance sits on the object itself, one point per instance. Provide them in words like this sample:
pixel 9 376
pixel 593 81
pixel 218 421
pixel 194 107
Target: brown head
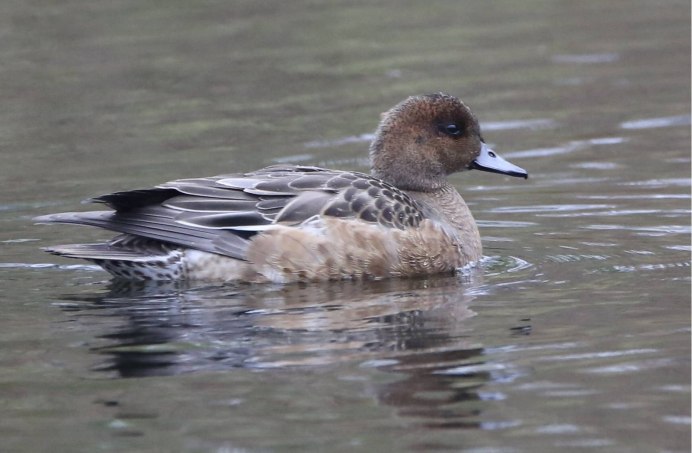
pixel 423 139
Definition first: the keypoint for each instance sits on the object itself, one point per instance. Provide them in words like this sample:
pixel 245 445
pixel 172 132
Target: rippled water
pixel 572 334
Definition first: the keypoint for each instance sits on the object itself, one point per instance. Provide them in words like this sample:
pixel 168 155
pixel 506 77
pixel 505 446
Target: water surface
pixel 573 334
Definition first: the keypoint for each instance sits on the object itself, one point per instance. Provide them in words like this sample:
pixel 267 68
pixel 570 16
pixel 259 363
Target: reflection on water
pixel 413 328
pixel 165 329
pixel 426 392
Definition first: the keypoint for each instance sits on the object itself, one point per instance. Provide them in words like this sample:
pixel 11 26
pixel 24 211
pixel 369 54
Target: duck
pixel 299 223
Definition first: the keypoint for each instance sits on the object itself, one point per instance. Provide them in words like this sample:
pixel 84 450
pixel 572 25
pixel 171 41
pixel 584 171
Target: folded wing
pixel 221 214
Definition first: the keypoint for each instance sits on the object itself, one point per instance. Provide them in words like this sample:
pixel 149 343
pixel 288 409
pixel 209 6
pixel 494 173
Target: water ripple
pixel 503 224
pixel 541 152
pixel 586 58
pixel 682 248
pixel 650 123
pixel 550 208
pixel 558 429
pixel 362 138
pixel 612 213
pixel 658 230
pixel 647 196
pixel 596 165
pixel 41 266
pixel 597 355
pixel 576 258
pixel 566 148
pixel 541 123
pixel 651 267
pixel 669 182
pixel 472 369
pixel 18 241
pixel 495 265
pixel 585 443
pixel 631 367
pixel 677 419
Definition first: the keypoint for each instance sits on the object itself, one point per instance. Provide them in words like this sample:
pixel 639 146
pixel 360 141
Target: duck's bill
pixel 488 160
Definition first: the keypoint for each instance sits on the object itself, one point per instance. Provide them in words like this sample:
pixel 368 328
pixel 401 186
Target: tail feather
pixel 129 257
pixel 97 251
pixel 159 224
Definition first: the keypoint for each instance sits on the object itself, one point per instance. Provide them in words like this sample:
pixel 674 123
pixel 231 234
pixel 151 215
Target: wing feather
pixel 220 214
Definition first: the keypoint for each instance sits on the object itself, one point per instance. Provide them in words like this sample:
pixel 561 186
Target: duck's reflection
pixel 413 328
pixel 430 394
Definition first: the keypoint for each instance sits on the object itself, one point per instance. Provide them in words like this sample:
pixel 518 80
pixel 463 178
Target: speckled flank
pixel 158 267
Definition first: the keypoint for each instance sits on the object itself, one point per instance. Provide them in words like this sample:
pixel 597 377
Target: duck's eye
pixel 450 129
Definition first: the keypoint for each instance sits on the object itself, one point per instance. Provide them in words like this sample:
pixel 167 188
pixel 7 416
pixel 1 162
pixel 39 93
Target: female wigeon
pixel 289 223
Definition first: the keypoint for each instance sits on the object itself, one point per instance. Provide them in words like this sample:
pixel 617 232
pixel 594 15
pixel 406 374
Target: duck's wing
pixel 220 214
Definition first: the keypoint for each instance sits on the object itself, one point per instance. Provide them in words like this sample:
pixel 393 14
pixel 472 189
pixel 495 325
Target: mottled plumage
pixel 285 223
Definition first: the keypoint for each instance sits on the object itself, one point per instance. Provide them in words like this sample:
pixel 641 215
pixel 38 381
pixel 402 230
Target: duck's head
pixel 423 139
